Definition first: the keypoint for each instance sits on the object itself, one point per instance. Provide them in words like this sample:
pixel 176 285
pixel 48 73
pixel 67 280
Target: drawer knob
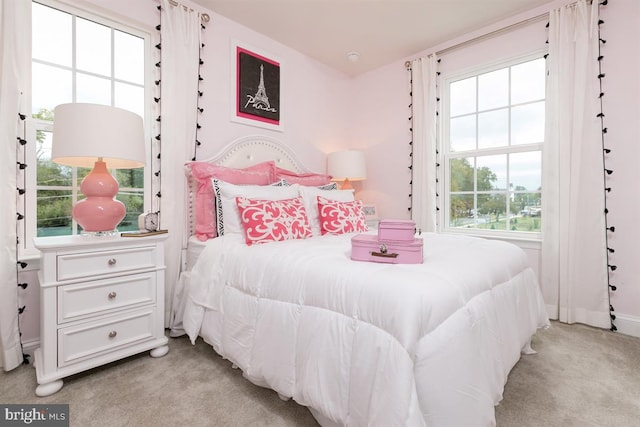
pixel 112 261
pixel 112 334
pixel 112 295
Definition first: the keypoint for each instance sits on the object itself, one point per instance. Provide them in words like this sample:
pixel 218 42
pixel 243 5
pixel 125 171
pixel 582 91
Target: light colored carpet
pixel 581 376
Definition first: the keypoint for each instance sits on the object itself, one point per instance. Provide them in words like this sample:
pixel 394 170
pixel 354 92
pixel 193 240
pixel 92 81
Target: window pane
pixel 493 129
pixel 461 175
pixel 49 173
pixel 53 174
pixel 134 201
pixel 130 98
pixel 44 139
pixel 493 89
pixel 530 216
pixel 93 47
pixel 130 178
pixel 525 171
pixel 461 210
pixel 493 207
pixel 51 35
pixel 528 81
pixel 491 172
pixel 132 195
pixel 56 218
pixel 53 217
pixel 527 123
pixel 95 90
pixel 51 86
pixel 128 57
pixel 462 95
pixel 462 133
pixel 80 174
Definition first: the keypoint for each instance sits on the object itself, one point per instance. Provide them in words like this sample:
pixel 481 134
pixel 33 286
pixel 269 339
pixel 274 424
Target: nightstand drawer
pixel 89 339
pixel 104 296
pixel 91 264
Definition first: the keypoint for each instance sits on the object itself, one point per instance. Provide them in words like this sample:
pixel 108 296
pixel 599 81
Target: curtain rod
pixel 203 16
pixel 490 34
pixel 529 20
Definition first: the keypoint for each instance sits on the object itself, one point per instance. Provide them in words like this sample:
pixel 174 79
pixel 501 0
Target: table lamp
pixel 346 166
pixel 102 137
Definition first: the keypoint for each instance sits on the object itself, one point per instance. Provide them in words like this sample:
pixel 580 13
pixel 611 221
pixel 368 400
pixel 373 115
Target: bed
pixel 362 343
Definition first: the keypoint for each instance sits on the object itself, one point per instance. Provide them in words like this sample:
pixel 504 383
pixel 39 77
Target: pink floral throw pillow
pixel 273 220
pixel 341 217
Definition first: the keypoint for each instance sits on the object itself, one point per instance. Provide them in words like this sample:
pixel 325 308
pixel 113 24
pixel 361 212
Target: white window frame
pixel 27 231
pixel 443 216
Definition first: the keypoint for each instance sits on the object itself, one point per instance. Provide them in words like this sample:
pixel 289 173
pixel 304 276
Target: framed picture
pixel 256 91
pixel 370 215
pixel 370 212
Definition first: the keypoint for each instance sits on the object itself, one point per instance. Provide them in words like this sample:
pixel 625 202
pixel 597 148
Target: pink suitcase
pixel 367 247
pixel 397 229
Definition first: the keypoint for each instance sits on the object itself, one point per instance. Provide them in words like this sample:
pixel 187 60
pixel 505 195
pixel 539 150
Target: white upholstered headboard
pixel 249 150
pixel 240 153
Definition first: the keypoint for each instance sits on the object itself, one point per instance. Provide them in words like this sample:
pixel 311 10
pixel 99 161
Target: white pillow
pixel 227 213
pixel 310 197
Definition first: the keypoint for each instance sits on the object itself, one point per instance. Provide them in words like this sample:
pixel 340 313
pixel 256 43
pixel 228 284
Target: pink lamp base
pixel 346 185
pixel 99 212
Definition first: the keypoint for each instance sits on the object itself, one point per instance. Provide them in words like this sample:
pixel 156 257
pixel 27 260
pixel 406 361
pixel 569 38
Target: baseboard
pixel 627 325
pixel 29 347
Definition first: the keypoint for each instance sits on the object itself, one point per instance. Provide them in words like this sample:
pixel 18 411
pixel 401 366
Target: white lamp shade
pixel 348 164
pixel 82 133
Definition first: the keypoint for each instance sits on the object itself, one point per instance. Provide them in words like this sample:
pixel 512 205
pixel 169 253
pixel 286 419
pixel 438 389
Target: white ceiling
pixel 381 31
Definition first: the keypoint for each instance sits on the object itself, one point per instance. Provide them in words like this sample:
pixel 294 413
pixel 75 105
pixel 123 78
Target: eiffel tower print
pixel 258 96
pixel 261 98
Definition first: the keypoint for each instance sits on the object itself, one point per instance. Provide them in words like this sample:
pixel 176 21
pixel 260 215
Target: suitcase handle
pixel 384 255
pixel 383 252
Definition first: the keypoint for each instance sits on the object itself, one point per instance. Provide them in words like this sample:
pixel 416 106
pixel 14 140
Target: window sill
pixel 532 240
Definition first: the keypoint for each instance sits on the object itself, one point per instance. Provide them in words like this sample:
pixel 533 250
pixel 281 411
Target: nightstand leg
pixel 160 351
pixel 48 389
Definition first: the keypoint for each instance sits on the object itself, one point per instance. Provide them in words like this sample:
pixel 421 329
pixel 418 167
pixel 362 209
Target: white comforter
pixel 365 343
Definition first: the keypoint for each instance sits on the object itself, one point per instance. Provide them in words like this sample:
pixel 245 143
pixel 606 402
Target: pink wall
pixel 381 127
pixel 314 97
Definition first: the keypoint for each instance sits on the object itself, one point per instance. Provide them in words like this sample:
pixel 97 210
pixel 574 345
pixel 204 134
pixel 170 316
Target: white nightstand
pixel 101 299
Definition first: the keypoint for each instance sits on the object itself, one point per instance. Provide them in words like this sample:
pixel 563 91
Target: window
pixel 492 152
pixel 78 57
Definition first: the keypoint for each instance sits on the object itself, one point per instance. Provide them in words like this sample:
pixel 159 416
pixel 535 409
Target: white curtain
pixel 180 37
pixel 423 89
pixel 15 48
pixel 574 261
